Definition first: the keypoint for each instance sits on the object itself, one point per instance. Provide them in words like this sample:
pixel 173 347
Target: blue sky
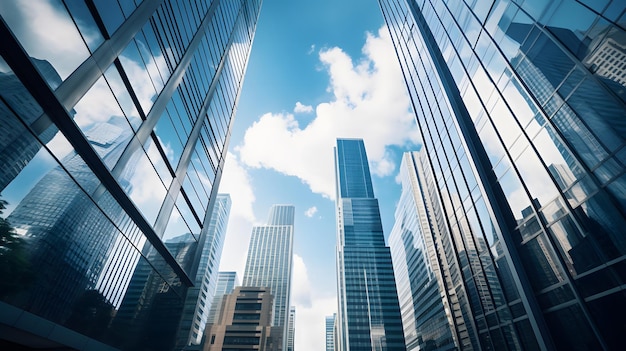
pixel 333 60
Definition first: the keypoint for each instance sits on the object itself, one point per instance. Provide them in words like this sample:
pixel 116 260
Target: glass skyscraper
pixel 521 106
pixel 330 332
pixel 114 124
pixel 424 304
pixel 269 262
pixel 369 314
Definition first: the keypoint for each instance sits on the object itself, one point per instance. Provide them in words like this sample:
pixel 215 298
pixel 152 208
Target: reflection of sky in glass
pixel 145 187
pixel 31 22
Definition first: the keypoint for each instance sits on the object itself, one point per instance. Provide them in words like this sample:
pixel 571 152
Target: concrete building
pixel 244 323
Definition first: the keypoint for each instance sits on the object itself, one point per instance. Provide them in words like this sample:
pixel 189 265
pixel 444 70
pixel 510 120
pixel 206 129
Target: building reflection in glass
pixel 114 125
pixel 522 114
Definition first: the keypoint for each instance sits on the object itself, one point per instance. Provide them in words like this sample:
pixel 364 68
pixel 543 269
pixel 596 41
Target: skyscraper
pixel 269 262
pixel 291 334
pixel 521 110
pixel 330 332
pixel 226 282
pixel 114 126
pixel 369 314
pixel 425 304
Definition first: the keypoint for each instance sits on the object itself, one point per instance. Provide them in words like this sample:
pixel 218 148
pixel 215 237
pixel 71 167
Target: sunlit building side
pixel 269 263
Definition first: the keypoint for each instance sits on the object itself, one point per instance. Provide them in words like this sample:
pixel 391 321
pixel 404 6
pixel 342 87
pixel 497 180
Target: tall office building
pixel 521 109
pixel 425 304
pixel 114 125
pixel 200 297
pixel 226 283
pixel 291 333
pixel 330 332
pixel 269 262
pixel 369 314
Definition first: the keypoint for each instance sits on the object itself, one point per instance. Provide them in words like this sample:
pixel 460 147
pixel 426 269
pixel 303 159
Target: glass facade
pixel 269 262
pixel 369 314
pixel 330 332
pixel 424 302
pixel 521 107
pixel 114 126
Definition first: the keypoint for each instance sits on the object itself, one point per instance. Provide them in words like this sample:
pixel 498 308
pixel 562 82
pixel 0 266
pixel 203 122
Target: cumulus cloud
pixel 31 21
pixel 369 101
pixel 237 182
pixel 300 108
pixel 311 211
pixel 310 309
pixel 300 285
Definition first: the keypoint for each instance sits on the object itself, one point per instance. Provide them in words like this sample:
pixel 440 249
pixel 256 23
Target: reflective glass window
pixel 30 21
pixel 110 13
pixel 142 183
pixel 99 116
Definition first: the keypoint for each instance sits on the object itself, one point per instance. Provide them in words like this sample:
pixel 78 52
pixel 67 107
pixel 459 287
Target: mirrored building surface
pixel 114 125
pixel 522 113
pixel 427 308
pixel 369 314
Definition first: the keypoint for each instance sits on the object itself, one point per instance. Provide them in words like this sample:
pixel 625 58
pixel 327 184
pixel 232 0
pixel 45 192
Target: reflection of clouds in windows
pixel 97 106
pixel 145 79
pixel 147 190
pixel 31 22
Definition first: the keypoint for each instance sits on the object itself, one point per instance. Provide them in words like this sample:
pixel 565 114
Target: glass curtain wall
pixel 114 126
pixel 522 112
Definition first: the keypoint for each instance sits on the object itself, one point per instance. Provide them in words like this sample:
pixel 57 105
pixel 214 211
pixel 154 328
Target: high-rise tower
pixel 330 332
pixel 269 262
pixel 521 106
pixel 114 126
pixel 369 315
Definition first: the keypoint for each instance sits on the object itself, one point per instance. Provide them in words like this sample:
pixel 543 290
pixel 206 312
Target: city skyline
pixel 520 112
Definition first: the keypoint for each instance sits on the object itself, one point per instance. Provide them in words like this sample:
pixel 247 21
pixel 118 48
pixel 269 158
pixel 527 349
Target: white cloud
pixel 310 310
pixel 300 285
pixel 369 101
pixel 311 49
pixel 31 22
pixel 300 108
pixel 236 182
pixel 311 211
